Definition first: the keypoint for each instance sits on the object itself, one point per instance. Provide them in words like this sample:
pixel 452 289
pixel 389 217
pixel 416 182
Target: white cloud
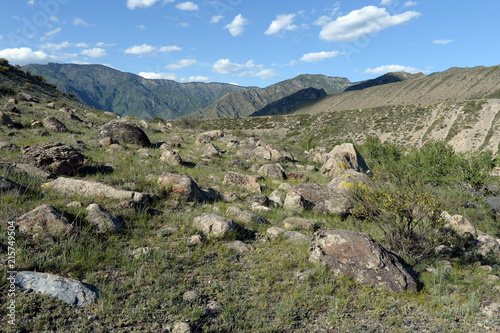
pixel 319 56
pixel 282 22
pixel 410 3
pixel 81 22
pixel 53 32
pixel 187 6
pixel 385 2
pixel 83 45
pixel 31 2
pixel 443 41
pixel 236 27
pixel 132 4
pixel 25 55
pixel 392 68
pixel 181 64
pixel 248 69
pixel 54 19
pixel 216 18
pixel 171 76
pixel 145 49
pixel 96 52
pixel 362 22
pixel 54 46
pixel 322 20
pixel 141 27
pixel 224 66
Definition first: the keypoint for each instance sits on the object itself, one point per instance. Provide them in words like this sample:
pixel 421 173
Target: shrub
pixel 4 62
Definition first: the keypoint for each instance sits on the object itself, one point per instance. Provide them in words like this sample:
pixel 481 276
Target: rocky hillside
pixel 291 102
pixel 252 101
pixel 128 94
pixel 229 225
pixel 384 79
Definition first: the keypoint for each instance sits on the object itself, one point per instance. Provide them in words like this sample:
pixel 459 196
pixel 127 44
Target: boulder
pixel 486 245
pixel 275 171
pixel 348 180
pixel 104 220
pixel 359 256
pixel 294 202
pixel 248 182
pixel 44 219
pixel 172 157
pixel 341 158
pixel 210 150
pixel 460 225
pixel 244 216
pixel 87 188
pixel 55 158
pixel 296 237
pixel 213 225
pixel 239 246
pixel 53 124
pixel 183 186
pixel 324 199
pixel 125 131
pixel 292 223
pixel 6 120
pixel 262 153
pixel 9 186
pixel 209 136
pixel 67 290
pixel 8 146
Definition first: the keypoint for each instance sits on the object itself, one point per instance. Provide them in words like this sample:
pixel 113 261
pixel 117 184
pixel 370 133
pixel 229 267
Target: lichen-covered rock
pixel 55 158
pixel 67 290
pixel 53 124
pixel 244 216
pixel 104 220
pixel 45 220
pixel 213 225
pixel 125 131
pixel 292 223
pixel 172 157
pixel 359 256
pixel 248 182
pixel 91 189
pixel 208 136
pixel 275 171
pixel 342 158
pixel 183 186
pixel 460 225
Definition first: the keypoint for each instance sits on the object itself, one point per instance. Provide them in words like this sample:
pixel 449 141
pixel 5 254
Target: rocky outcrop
pixel 92 189
pixel 44 220
pixel 67 290
pixel 359 256
pixel 341 158
pixel 125 131
pixel 55 158
pixel 213 225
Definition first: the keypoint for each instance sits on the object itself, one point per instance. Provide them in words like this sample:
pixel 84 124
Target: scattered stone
pixel 31 171
pixel 460 225
pixel 67 290
pixel 277 197
pixel 181 327
pixel 262 153
pixel 107 141
pixel 51 105
pixel 341 158
pixel 9 186
pixel 486 245
pixel 44 219
pixel 294 202
pixel 53 124
pixel 6 120
pixel 183 186
pixel 141 251
pixel 295 175
pixel 55 158
pixel 39 132
pixel 91 189
pixel 275 171
pixel 125 131
pixel 292 223
pixel 213 225
pixel 359 256
pixel 324 199
pixel 296 237
pixel 8 146
pixel 274 232
pixel 172 157
pixel 244 216
pixel 104 220
pixel 190 296
pixel 213 308
pixel 209 136
pixel 75 204
pixel 195 239
pixel 248 182
pixel 210 150
pixel 348 180
pixel 239 246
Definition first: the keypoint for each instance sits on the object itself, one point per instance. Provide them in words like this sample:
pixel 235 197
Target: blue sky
pixel 253 43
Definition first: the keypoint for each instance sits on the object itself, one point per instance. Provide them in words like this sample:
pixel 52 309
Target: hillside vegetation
pixel 156 270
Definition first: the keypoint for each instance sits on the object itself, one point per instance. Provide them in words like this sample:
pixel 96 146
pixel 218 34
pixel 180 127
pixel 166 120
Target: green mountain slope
pixel 251 101
pixel 129 94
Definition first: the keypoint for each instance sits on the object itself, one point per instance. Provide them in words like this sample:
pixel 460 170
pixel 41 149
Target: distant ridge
pixel 129 94
pixel 385 79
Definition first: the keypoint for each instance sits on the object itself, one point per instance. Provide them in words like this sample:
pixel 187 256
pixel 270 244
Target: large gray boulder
pixel 55 158
pixel 342 158
pixel 244 216
pixel 67 290
pixel 213 225
pixel 275 171
pixel 359 256
pixel 53 124
pixel 124 131
pixel 88 188
pixel 45 220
